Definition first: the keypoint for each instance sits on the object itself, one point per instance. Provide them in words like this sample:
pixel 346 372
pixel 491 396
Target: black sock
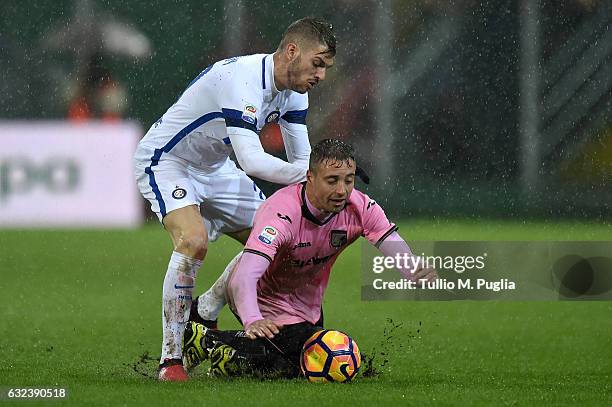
pixel 277 357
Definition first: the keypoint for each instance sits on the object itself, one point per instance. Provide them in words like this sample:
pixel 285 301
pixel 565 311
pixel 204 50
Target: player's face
pixel 332 184
pixel 308 68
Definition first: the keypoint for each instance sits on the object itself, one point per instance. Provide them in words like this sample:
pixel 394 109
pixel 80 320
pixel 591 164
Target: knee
pixel 193 244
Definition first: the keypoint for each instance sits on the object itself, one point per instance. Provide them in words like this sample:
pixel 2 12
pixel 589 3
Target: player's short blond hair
pixel 310 30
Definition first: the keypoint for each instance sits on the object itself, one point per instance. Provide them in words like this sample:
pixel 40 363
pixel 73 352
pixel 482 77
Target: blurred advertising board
pixel 61 174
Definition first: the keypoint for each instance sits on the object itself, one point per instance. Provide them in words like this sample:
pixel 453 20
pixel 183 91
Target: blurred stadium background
pixel 457 108
pixel 477 120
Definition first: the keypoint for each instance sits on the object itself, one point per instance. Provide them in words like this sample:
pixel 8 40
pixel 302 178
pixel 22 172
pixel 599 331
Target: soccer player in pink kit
pixel 277 287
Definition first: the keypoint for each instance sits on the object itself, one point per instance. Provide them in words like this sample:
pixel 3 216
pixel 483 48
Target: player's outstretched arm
pixel 243 290
pixel 297 145
pixel 383 234
pixel 394 245
pixel 257 163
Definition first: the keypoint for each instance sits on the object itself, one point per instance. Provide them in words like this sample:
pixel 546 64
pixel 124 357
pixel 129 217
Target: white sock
pixel 212 301
pixel 176 301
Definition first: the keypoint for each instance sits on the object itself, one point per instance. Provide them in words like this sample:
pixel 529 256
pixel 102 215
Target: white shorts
pixel 227 197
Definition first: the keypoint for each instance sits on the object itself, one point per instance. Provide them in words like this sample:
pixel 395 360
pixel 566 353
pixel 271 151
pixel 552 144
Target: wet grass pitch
pixel 81 310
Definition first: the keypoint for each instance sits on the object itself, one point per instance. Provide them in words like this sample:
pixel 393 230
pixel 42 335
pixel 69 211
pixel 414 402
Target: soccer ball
pixel 330 356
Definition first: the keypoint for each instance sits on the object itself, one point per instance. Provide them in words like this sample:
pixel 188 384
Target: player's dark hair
pixel 311 29
pixel 331 150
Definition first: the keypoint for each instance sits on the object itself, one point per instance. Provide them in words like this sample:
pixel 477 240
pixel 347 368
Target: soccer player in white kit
pixel 183 169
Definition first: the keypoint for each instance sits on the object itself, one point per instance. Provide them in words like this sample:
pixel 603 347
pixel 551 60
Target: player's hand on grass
pixel 264 328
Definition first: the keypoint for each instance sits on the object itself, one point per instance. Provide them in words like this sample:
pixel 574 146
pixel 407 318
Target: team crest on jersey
pixel 267 235
pixel 179 193
pixel 273 117
pixel 338 238
pixel 249 114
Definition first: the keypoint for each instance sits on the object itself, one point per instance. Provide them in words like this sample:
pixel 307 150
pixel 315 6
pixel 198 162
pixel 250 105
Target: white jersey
pixel 222 110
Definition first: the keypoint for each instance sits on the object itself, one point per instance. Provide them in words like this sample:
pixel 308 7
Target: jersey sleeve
pixel 257 163
pixel 376 226
pixel 294 130
pixel 270 231
pixel 241 101
pixel 295 110
pixel 242 287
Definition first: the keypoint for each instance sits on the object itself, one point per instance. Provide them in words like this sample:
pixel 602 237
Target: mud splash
pixel 145 366
pixel 395 337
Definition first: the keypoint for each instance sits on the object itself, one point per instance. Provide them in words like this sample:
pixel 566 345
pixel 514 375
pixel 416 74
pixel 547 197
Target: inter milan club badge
pixel 179 193
pixel 338 238
pixel 273 117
